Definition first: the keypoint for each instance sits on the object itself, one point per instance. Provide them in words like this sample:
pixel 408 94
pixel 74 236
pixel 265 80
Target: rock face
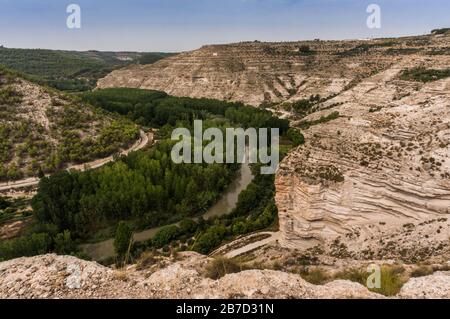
pixel 252 73
pixel 52 276
pixel 436 286
pixel 384 161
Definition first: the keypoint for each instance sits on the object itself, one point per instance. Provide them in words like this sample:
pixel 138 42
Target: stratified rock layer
pixel 252 72
pixel 384 161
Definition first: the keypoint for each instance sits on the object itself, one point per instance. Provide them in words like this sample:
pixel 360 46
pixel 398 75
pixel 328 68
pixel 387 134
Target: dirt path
pixel 32 181
pixel 274 236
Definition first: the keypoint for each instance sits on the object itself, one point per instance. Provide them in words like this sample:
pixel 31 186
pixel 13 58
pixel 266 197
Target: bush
pixel 210 239
pixel 316 276
pixel 165 236
pixel 122 241
pixel 422 271
pixel 421 74
pixel 222 266
pixel 35 244
pixel 295 136
pixel 4 203
pixel 324 119
pixel 64 244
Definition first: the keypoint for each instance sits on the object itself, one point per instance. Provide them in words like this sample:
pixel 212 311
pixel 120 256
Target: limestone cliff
pixel 385 159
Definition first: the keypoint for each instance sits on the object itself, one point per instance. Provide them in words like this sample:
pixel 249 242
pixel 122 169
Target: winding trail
pixel 143 141
pixel 274 236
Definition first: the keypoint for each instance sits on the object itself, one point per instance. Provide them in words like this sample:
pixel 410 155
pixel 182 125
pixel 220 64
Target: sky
pixel 180 25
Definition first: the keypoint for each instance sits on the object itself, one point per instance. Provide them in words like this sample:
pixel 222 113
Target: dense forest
pixel 255 210
pixel 71 70
pixel 147 189
pixel 157 109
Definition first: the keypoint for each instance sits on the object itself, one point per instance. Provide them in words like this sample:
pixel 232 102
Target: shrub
pixel 392 279
pixel 123 241
pixel 210 239
pixel 422 271
pixel 222 266
pixel 324 119
pixel 64 244
pixel 165 236
pixel 4 203
pixel 421 74
pixel 316 276
pixel 295 136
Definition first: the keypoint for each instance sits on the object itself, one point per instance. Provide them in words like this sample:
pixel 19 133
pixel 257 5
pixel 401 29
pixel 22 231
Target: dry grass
pixel 392 279
pixel 146 260
pixel 422 271
pixel 120 275
pixel 315 276
pixel 221 266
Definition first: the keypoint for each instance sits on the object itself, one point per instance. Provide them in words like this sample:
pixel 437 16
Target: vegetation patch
pixel 392 279
pixel 71 70
pixel 146 189
pixel 324 119
pixel 221 266
pixel 421 74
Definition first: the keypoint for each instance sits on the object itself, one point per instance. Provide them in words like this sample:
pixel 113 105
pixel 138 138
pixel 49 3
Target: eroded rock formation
pixel 384 160
pixel 52 276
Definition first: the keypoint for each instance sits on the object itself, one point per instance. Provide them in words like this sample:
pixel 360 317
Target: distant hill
pixel 71 70
pixel 43 130
pixel 263 73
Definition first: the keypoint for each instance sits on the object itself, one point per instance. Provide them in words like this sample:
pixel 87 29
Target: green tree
pixel 64 244
pixel 295 136
pixel 123 241
pixel 3 203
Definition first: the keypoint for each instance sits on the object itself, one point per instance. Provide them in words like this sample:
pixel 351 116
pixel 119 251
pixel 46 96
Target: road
pixel 252 246
pixel 228 252
pixel 144 140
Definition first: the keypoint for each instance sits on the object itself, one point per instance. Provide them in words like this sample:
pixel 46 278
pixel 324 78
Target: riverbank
pixel 105 249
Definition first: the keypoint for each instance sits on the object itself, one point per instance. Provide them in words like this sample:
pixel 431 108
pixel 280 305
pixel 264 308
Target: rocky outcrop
pixel 52 276
pixel 436 286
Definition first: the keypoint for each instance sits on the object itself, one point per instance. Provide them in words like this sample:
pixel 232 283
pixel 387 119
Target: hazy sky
pixel 177 25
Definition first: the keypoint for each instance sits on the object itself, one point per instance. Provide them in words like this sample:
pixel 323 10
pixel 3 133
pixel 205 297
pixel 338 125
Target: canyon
pixel 370 185
pixel 382 163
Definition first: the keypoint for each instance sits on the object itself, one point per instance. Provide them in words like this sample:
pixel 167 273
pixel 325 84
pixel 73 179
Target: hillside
pixel 379 168
pixel 71 70
pixel 43 130
pixel 255 72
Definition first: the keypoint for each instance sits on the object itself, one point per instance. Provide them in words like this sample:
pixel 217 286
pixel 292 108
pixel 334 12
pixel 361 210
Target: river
pixel 225 205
